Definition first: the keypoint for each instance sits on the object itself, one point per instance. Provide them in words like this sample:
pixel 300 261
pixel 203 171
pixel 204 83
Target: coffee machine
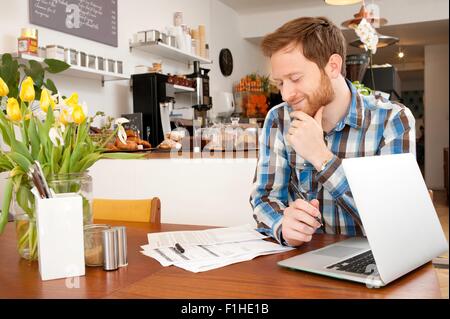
pixel 153 98
pixel 203 101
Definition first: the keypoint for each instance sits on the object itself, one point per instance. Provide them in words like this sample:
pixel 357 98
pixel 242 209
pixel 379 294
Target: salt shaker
pixel 110 249
pixel 122 246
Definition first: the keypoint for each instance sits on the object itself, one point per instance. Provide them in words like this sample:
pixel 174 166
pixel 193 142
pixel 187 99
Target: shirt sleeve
pixel 398 137
pixel 269 196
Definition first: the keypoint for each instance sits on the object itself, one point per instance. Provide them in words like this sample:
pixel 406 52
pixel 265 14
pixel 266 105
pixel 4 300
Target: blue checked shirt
pixel 372 126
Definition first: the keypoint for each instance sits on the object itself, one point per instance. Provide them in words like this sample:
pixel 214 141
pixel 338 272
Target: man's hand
pixel 306 137
pixel 299 223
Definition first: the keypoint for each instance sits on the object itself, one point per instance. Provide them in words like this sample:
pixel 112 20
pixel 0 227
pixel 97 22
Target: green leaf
pixel 56 156
pixel 20 147
pixel 24 196
pixel 9 71
pixel 51 86
pixel 56 66
pixel 6 58
pixel 34 139
pixel 23 162
pixel 7 195
pixel 36 71
pixel 86 162
pixel 5 134
pixel 65 161
pixel 41 156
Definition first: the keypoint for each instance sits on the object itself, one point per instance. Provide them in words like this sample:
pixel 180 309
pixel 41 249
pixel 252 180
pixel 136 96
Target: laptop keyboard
pixel 357 264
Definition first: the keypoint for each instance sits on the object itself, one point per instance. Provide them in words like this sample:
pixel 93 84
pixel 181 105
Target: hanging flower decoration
pixel 368 35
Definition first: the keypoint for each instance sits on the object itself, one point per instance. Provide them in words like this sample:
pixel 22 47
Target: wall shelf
pixel 169 52
pixel 80 71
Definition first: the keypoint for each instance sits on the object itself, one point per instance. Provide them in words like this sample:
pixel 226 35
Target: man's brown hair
pixel 319 37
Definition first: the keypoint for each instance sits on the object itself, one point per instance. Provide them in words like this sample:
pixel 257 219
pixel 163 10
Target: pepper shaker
pixel 122 246
pixel 110 249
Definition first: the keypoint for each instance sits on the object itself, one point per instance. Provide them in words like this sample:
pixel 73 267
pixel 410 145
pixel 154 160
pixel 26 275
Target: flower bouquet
pixel 38 124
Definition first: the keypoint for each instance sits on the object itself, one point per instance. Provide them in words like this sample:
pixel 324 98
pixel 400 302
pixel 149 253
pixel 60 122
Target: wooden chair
pixel 135 210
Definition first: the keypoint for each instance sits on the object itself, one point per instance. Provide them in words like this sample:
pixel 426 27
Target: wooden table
pixel 144 277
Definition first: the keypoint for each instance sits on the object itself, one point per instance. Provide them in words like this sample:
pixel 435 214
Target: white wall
pixel 436 107
pixel 247 57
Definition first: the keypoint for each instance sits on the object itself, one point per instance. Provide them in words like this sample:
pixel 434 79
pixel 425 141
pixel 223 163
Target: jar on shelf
pixel 111 65
pixel 70 56
pixel 27 43
pixel 100 63
pixel 91 61
pixel 119 67
pixel 81 58
pixel 54 52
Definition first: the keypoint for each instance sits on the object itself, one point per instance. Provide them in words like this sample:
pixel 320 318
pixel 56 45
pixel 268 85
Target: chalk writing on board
pixel 92 19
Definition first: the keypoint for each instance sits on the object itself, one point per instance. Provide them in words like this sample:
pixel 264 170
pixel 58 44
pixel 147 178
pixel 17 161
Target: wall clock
pixel 226 62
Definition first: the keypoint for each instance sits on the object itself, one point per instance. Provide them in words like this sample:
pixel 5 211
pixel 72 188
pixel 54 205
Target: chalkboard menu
pixel 90 19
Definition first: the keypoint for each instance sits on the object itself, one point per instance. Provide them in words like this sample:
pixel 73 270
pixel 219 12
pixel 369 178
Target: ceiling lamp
pixel 341 2
pixel 383 41
pixel 401 53
pixel 364 13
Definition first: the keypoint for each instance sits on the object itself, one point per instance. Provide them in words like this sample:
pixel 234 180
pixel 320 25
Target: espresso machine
pixel 153 98
pixel 203 101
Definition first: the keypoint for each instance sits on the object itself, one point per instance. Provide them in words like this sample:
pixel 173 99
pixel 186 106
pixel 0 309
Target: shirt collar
pixel 355 114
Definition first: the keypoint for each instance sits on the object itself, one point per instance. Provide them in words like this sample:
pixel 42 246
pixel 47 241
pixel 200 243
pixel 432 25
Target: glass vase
pixel 26 232
pixel 78 183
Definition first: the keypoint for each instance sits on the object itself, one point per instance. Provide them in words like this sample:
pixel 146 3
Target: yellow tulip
pixel 13 110
pixel 64 117
pixel 3 88
pixel 46 101
pixel 27 90
pixel 78 114
pixel 72 100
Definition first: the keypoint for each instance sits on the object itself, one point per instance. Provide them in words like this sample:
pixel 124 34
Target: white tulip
pixel 56 136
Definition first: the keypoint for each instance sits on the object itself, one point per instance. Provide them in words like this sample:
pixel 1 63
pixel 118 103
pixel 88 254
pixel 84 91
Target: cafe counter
pixel 207 188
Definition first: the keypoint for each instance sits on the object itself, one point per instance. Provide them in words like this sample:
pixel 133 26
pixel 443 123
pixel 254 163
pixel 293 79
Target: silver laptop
pixel 401 226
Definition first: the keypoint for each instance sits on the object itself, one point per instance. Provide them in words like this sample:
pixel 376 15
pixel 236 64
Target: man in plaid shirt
pixel 303 141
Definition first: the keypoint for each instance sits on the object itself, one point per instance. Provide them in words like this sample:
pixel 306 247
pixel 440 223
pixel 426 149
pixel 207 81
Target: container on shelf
pixel 119 67
pixel 101 63
pixel 70 56
pixel 28 41
pixel 152 35
pixel 110 65
pixel 171 40
pixel 91 61
pixel 41 52
pixel 81 58
pixel 54 52
pixel 140 37
pixel 177 19
pixel 163 37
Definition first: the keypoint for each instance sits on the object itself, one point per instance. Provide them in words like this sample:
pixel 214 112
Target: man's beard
pixel 322 96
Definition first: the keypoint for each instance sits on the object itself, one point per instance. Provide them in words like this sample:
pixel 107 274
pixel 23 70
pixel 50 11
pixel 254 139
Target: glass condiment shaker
pixel 93 244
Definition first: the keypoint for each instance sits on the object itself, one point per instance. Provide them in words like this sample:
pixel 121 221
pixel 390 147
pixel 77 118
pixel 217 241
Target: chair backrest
pixel 135 210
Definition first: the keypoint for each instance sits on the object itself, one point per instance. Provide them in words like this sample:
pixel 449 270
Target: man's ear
pixel 334 66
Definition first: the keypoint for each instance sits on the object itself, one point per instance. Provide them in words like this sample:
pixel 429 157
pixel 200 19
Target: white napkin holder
pixel 59 223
